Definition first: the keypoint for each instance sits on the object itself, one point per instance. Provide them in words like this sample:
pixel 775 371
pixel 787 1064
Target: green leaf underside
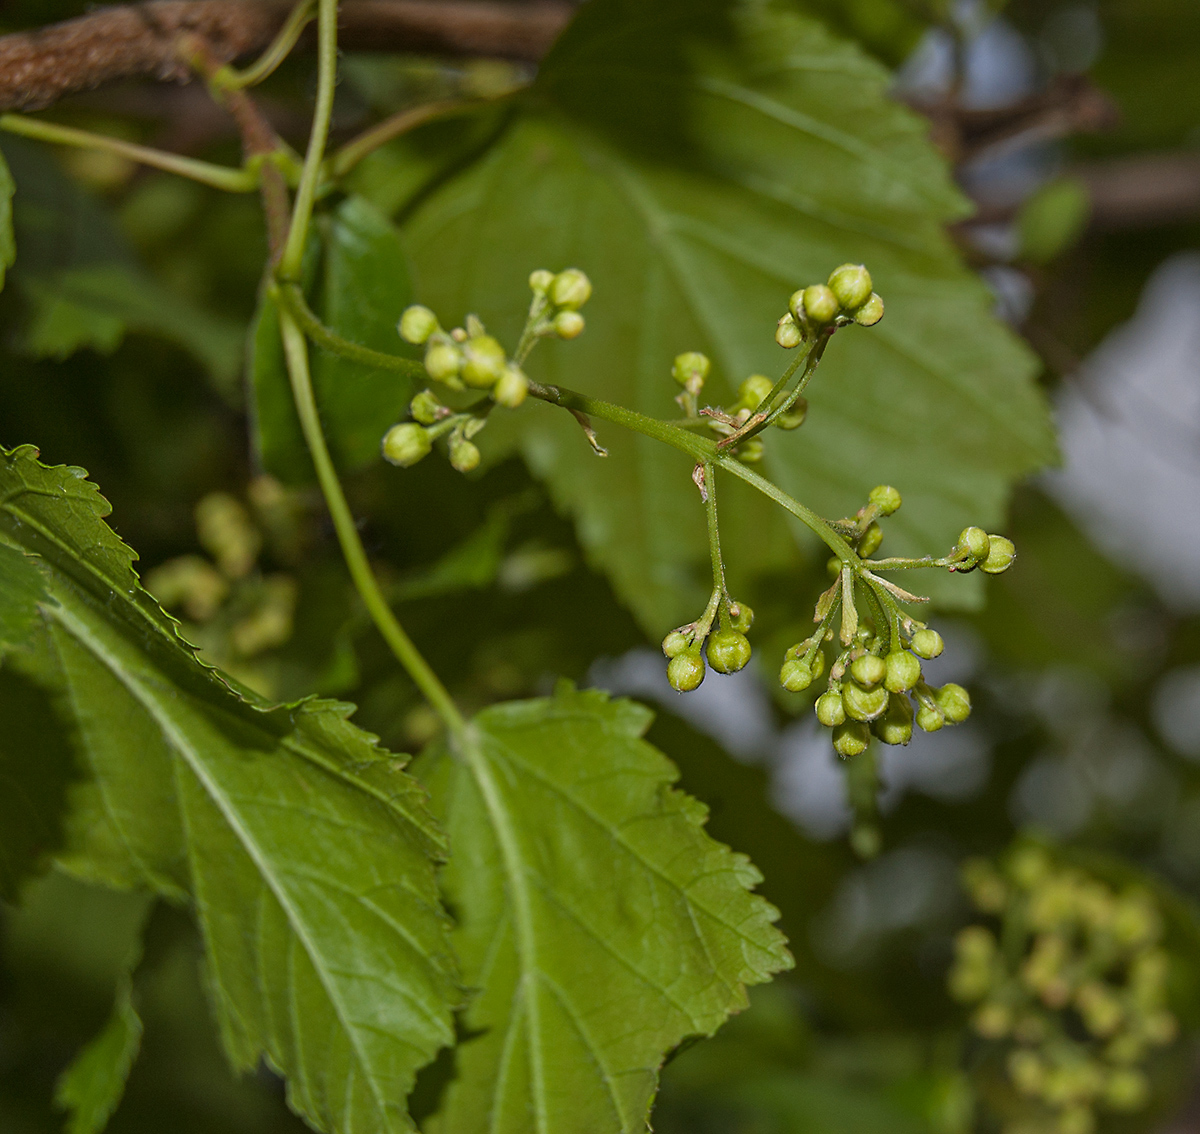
pixel 699 171
pixel 307 852
pixel 364 287
pixel 92 1086
pixel 599 921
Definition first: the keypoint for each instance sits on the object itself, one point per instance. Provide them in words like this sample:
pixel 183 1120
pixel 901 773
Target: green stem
pixel 905 564
pixel 306 194
pixel 296 353
pixel 714 543
pixel 207 173
pixel 226 78
pixel 293 299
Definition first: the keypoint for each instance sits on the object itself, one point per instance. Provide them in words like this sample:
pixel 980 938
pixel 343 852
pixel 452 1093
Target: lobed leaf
pixel 600 923
pixel 306 851
pixel 700 161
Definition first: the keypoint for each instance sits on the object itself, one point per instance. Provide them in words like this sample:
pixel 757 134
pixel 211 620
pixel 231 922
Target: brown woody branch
pixel 39 67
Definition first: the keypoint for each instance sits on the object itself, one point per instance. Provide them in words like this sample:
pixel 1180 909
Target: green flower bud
pixel 795 676
pixel 750 452
pixel 425 407
pixel 443 361
pixel 831 710
pixel 955 703
pixel 820 304
pixel 851 284
pixel 690 370
pixel 896 724
pixel 864 704
pixel 741 617
pixel 885 498
pixel 930 719
pixel 728 651
pixel 464 455
pixel 570 289
pixel 927 643
pixel 406 444
pixel 417 324
pixel 675 643
pixel 818 664
pixel 868 670
pixel 903 672
pixel 870 312
pixel 685 672
pixel 851 739
pixel 975 542
pixel 484 362
pixel 1000 556
pixel 754 389
pixel 787 334
pixel 540 281
pixel 794 418
pixel 872 538
pixel 796 306
pixel 833 566
pixel 510 391
pixel 569 324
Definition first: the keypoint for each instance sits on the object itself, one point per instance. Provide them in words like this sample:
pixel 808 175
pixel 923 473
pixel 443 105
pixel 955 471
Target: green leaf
pixel 306 851
pixel 8 247
pixel 600 923
pixel 92 1086
pixel 364 286
pixel 699 161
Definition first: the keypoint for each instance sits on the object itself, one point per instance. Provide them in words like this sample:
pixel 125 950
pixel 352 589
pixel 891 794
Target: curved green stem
pixel 714 543
pixel 292 298
pixel 306 194
pixel 226 78
pixel 206 172
pixel 296 353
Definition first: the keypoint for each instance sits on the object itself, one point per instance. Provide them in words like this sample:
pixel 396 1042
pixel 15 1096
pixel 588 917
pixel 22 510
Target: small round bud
pixel 851 284
pixel 818 664
pixel 796 306
pixel 754 389
pixel 675 643
pixel 425 407
pixel 927 643
pixel 787 334
pixel 885 498
pixel 750 452
pixel 833 566
pixel 570 289
pixel 1000 556
pixel 930 719
pixel 728 651
pixel 864 704
pixel 795 676
pixel 851 739
pixel 484 362
pixel 417 324
pixel 903 672
pixel 794 418
pixel 464 454
pixel 741 617
pixel 955 703
pixel 868 670
pixel 872 538
pixel 690 370
pixel 540 281
pixel 870 312
pixel 443 361
pixel 685 672
pixel 975 542
pixel 896 724
pixel 831 710
pixel 406 444
pixel 820 304
pixel 510 391
pixel 569 324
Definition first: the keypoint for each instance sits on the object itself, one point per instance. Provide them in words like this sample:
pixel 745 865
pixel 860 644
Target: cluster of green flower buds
pixel 465 357
pixel 975 548
pixel 846 298
pixel 411 441
pixel 557 298
pixel 1077 992
pixel 727 647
